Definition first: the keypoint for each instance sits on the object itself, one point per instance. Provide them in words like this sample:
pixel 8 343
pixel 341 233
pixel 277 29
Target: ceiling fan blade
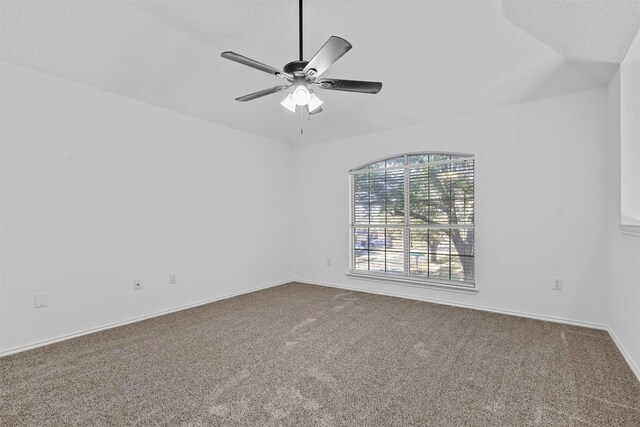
pixel 255 64
pixel 262 93
pixel 329 53
pixel 349 85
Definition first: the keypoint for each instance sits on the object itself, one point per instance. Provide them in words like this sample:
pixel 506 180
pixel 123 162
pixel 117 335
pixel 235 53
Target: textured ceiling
pixel 435 58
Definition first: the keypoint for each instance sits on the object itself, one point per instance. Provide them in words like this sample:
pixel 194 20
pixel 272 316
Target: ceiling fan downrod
pixel 300 27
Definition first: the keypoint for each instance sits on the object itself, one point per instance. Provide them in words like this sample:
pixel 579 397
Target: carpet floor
pixel 304 355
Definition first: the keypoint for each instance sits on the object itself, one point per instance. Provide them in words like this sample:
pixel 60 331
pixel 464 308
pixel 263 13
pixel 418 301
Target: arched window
pixel 412 218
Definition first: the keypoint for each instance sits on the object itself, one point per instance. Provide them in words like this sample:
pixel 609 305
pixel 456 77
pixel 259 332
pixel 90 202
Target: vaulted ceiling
pixel 435 58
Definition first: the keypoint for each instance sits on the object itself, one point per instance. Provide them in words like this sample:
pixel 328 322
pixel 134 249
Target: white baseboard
pixel 625 353
pixel 471 306
pixel 133 320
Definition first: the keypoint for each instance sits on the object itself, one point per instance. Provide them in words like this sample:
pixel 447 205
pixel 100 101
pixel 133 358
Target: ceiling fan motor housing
pixel 296 68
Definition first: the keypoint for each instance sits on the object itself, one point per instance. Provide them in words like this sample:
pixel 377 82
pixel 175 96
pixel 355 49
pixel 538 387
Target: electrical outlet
pixel 137 285
pixel 40 300
pixel 328 262
pixel 172 279
pixel 557 284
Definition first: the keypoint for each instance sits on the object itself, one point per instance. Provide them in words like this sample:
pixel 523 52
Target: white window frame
pixel 405 278
pixel 630 140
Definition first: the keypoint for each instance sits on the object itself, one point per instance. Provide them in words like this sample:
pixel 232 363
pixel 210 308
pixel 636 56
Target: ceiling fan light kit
pixel 303 75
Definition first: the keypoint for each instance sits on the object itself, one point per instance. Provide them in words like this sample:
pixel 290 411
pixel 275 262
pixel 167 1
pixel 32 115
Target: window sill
pixel 630 229
pixel 415 283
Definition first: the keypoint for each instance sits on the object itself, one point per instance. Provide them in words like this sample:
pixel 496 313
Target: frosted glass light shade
pixel 289 103
pixel 314 103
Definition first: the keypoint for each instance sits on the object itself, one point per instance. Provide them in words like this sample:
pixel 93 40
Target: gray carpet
pixel 303 355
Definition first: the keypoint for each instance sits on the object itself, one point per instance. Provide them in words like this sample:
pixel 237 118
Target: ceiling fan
pixel 304 76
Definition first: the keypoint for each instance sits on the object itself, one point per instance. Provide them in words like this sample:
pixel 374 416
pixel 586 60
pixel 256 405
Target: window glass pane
pixel 462 253
pixel 360 238
pixel 430 252
pixel 462 268
pixel 395 162
pixel 439 265
pixel 434 157
pixel 461 182
pixel 439 157
pixel 378 249
pixel 378 197
pixel 442 253
pixel 419 196
pixel 428 196
pixel 361 249
pixel 419 252
pixel 394 196
pixel 376 261
pixel 394 250
pixel 442 194
pixel 377 165
pixel 463 239
pixel 418 158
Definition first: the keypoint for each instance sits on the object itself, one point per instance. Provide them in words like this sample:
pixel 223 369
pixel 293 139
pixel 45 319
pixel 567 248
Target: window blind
pixel 413 216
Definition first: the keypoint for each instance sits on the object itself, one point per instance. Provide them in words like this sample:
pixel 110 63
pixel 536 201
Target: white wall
pixel 540 194
pixel 98 189
pixel 623 283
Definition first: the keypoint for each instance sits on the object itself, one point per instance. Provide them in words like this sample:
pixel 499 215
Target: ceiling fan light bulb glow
pixel 314 102
pixel 301 95
pixel 289 103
